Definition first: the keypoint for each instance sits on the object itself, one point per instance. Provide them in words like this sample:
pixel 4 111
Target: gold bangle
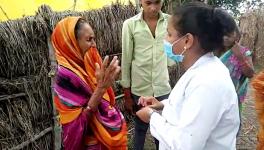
pixel 88 108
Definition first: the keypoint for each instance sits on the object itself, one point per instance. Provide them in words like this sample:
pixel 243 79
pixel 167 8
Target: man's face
pixel 151 7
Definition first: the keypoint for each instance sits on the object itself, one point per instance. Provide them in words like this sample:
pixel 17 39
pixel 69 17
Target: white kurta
pixel 201 112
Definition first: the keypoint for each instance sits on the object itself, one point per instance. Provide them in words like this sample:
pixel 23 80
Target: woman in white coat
pixel 201 112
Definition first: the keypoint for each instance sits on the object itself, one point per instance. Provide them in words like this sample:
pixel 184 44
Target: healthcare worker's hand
pixel 144 114
pixel 151 102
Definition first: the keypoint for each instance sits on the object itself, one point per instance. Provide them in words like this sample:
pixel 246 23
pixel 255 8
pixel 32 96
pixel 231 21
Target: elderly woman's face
pixel 86 38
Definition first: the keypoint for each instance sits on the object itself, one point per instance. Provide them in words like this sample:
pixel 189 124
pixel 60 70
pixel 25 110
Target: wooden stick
pixel 6 97
pixel 53 65
pixel 120 96
pixel 36 137
pixel 74 5
pixel 4 13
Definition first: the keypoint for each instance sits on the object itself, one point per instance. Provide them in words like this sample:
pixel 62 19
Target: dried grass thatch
pixel 23 45
pixel 27 113
pixel 25 95
pixel 251 26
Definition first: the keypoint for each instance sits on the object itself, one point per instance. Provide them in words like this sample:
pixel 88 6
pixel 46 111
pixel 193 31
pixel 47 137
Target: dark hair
pixel 78 27
pixel 238 32
pixel 208 24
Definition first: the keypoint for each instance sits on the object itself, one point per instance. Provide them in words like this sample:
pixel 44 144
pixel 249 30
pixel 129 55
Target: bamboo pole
pixel 4 13
pixel 57 129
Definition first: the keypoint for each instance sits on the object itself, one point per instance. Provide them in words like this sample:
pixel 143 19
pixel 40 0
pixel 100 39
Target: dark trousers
pixel 141 127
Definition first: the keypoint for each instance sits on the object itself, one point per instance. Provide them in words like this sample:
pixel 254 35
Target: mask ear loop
pixel 178 40
pixel 184 50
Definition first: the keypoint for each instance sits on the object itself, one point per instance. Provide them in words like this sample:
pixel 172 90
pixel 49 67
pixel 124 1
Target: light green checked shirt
pixel 144 62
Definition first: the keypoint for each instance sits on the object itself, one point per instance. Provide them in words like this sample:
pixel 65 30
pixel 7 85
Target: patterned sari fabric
pixel 240 81
pixel 258 87
pixel 74 84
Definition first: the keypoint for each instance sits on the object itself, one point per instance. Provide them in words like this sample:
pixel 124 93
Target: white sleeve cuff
pixel 156 121
pixel 165 102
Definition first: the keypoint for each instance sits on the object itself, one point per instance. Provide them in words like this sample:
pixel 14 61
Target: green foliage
pixel 232 5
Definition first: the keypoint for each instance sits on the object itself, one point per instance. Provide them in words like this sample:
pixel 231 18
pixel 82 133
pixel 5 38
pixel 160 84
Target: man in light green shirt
pixel 144 62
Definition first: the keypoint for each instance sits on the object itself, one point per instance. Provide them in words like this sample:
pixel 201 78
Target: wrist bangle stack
pixel 127 93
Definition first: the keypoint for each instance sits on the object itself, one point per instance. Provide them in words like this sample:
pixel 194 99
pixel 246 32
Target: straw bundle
pixel 22 45
pixel 251 25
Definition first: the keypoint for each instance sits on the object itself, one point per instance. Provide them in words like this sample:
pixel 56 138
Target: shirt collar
pixel 204 59
pixel 140 15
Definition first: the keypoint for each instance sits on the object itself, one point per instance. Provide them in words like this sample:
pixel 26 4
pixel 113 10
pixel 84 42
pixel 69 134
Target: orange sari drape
pixel 258 86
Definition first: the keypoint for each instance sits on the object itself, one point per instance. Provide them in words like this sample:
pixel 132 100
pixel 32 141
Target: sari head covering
pixel 107 123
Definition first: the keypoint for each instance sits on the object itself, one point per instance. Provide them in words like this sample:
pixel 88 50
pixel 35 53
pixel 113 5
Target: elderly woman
pixel 84 99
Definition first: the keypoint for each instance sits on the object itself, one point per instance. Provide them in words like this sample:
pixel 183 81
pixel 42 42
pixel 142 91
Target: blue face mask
pixel 169 51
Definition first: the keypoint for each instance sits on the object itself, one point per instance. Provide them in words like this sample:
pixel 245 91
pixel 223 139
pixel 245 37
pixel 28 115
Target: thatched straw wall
pixel 252 27
pixel 25 104
pixel 26 112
